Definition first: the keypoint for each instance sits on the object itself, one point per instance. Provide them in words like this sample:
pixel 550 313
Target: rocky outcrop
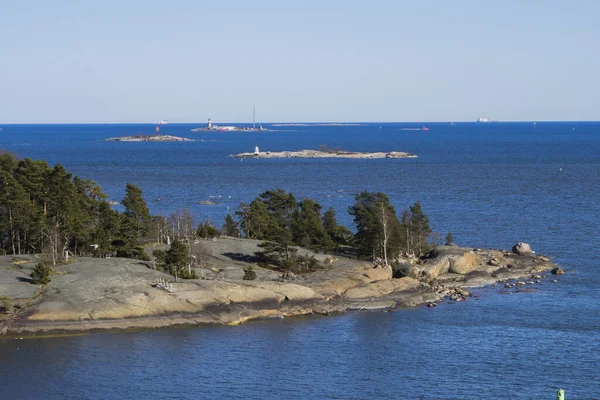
pixel 522 249
pixel 450 259
pixel 95 294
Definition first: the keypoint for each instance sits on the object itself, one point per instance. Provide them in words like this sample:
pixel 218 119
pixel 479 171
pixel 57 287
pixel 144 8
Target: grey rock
pixel 522 249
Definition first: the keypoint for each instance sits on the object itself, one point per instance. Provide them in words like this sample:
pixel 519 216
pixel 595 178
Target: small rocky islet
pixel 149 138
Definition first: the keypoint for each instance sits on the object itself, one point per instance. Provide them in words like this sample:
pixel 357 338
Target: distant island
pixel 324 153
pixel 228 128
pixel 149 138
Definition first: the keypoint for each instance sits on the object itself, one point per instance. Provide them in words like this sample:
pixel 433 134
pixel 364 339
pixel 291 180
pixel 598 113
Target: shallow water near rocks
pixel 491 185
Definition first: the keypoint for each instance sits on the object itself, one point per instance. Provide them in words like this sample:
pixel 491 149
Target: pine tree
pixel 137 210
pixel 231 227
pixel 255 219
pixel 41 274
pixel 420 228
pixel 307 227
pixel 377 225
pixel 177 258
pixel 249 274
pixel 338 233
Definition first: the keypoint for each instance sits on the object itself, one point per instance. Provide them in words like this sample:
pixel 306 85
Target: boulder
pixel 494 262
pixel 377 274
pixel 406 269
pixel 289 275
pixel 463 264
pixel 557 271
pixel 436 267
pixel 522 249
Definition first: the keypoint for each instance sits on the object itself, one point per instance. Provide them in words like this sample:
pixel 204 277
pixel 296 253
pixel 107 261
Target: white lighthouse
pixel 256 151
pixel 209 125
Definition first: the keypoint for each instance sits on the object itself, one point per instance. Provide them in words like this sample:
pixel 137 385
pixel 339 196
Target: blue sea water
pixel 491 185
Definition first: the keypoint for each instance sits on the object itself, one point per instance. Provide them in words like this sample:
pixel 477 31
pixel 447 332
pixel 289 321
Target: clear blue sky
pixel 188 60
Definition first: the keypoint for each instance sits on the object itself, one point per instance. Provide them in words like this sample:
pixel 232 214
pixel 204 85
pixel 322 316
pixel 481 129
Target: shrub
pixel 5 305
pixel 249 274
pixel 41 274
pixel 136 253
pixel 185 274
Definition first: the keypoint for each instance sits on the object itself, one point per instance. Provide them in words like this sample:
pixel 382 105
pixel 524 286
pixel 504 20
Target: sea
pixel 490 184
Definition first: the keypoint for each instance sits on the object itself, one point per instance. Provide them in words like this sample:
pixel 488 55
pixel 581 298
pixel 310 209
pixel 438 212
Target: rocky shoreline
pixel 99 295
pixel 325 154
pixel 149 138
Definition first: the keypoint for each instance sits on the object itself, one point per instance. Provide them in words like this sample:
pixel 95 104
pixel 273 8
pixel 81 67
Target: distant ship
pixel 485 120
pixel 163 122
pixel 425 128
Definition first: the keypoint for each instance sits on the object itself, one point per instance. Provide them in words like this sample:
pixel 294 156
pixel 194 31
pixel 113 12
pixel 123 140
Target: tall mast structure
pixel 253 118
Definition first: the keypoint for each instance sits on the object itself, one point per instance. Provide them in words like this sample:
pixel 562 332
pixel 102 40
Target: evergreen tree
pixel 41 274
pixel 46 210
pixel 207 230
pixel 307 227
pixel 137 210
pixel 255 219
pixel 449 239
pixel 231 227
pixel 177 258
pixel 249 274
pixel 420 228
pixel 281 205
pixel 378 228
pixel 338 233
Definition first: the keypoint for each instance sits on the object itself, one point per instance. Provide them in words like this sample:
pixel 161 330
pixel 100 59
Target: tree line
pixel 284 223
pixel 47 210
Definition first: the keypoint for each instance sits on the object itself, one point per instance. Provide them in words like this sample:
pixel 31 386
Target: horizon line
pixel 300 122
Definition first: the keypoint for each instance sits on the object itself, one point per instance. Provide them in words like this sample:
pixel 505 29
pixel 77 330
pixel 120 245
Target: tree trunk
pixel 386 234
pixel 12 232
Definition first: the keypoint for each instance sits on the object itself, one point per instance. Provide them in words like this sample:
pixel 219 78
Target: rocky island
pixel 149 138
pixel 324 154
pixel 92 294
pixel 102 269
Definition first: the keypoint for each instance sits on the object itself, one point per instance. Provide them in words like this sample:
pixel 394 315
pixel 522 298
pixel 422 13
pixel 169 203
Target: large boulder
pixel 522 249
pixel 450 259
pixel 432 269
pixel 463 264
pixel 407 270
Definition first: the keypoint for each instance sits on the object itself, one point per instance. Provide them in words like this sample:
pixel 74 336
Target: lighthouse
pixel 209 125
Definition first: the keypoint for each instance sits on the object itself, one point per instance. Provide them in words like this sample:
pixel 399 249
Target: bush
pixel 249 274
pixel 159 258
pixel 185 274
pixel 139 254
pixel 5 305
pixel 207 230
pixel 159 255
pixel 136 253
pixel 41 274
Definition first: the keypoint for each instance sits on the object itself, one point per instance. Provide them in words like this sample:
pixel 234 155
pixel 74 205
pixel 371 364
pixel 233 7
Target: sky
pixel 328 60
